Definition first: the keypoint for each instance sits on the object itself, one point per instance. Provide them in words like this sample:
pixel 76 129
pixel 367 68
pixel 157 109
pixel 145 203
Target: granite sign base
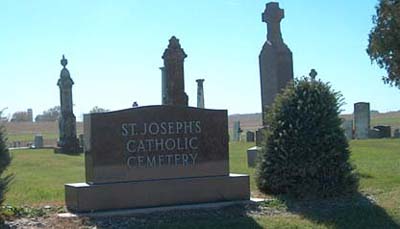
pixel 83 197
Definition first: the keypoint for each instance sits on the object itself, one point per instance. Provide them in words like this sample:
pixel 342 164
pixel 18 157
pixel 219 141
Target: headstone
pixel 81 141
pixel 252 156
pixel 396 133
pixel 385 131
pixel 236 131
pixel 38 141
pixel 361 120
pixel 67 142
pixel 250 136
pixel 374 133
pixel 155 156
pixel 276 65
pixel 174 57
pixel 200 93
pixel 347 126
pixel 163 86
pixel 30 115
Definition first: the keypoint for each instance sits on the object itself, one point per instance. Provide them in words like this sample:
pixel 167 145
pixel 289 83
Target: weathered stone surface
pixel 250 136
pixel 84 197
pixel 200 93
pixel 396 133
pixel 155 142
pixel 362 120
pixel 276 64
pixel 174 57
pixel 252 156
pixel 67 142
pixel 384 131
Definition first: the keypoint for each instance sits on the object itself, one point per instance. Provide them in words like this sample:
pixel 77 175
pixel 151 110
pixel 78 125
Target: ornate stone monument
pixel 68 141
pixel 276 65
pixel 174 57
pixel 200 93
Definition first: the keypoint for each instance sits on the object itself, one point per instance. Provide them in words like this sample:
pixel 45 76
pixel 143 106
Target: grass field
pixel 40 175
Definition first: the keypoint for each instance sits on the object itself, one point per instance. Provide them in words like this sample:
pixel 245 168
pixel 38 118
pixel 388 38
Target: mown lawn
pixel 41 174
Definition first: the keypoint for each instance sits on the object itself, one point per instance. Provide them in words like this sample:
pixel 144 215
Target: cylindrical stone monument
pixel 362 120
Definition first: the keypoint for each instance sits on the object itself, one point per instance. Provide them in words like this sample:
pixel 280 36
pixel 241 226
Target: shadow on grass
pixel 227 217
pixel 356 211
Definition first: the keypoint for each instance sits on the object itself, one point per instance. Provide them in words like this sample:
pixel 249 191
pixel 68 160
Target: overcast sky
pixel 114 51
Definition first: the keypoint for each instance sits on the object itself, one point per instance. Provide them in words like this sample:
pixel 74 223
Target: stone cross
pixel 174 57
pixel 273 16
pixel 200 93
pixel 313 74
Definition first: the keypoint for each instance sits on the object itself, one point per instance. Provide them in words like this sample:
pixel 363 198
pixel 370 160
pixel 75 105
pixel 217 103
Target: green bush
pixel 306 154
pixel 5 160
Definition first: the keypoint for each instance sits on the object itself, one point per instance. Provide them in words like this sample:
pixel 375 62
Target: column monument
pixel 67 142
pixel 200 93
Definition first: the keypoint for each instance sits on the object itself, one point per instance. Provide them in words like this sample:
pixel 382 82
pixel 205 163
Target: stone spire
pixel 200 93
pixel 276 64
pixel 68 142
pixel 174 57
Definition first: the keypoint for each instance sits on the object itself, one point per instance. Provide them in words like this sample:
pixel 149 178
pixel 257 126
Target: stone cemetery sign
pixel 155 142
pixel 157 155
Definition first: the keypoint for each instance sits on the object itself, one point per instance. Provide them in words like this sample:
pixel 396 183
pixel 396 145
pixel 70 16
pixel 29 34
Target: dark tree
pixel 306 153
pixel 97 109
pixel 384 40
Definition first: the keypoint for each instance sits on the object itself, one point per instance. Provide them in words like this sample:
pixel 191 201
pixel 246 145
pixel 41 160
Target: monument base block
pixel 83 197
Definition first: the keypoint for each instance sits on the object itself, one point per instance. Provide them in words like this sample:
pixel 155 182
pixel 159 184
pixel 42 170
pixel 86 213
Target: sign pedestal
pixel 83 197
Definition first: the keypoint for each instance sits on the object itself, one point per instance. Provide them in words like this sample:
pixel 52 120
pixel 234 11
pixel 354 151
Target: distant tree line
pixel 49 115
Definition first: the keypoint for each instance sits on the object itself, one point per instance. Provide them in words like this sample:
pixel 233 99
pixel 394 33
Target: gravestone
pixel 30 115
pixel 385 131
pixel 275 59
pixel 396 133
pixel 81 141
pixel 252 156
pixel 250 136
pixel 347 126
pixel 38 141
pixel 174 57
pixel 362 119
pixel 200 93
pixel 236 131
pixel 374 133
pixel 67 142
